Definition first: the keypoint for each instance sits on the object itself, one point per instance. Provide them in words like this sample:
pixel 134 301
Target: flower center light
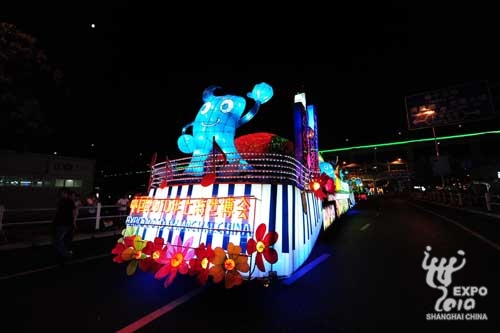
pixel 138 254
pixel 156 255
pixel 229 264
pixel 260 246
pixel 204 263
pixel 176 260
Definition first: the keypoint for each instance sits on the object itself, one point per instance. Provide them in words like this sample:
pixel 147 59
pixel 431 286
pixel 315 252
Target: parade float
pixel 338 197
pixel 236 208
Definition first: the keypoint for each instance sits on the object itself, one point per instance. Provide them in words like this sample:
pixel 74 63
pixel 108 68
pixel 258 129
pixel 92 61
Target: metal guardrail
pixel 33 225
pixel 461 199
pixel 28 224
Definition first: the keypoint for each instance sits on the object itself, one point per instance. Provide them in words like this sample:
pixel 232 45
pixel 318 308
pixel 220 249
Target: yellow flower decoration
pixel 229 265
pixel 132 252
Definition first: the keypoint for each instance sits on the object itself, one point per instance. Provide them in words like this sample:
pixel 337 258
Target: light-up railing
pixel 262 169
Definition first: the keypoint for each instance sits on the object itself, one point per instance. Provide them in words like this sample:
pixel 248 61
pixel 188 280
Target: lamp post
pixel 424 114
pixel 436 144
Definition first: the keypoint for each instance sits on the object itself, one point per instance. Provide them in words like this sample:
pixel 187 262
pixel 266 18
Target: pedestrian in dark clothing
pixel 68 238
pixel 64 224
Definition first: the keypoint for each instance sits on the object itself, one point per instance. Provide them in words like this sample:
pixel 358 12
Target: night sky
pixel 136 78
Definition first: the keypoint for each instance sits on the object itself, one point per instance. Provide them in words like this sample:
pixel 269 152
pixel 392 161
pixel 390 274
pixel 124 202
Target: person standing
pixel 68 238
pixel 64 223
pixel 123 207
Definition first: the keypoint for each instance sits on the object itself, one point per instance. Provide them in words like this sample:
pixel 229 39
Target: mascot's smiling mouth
pixel 210 124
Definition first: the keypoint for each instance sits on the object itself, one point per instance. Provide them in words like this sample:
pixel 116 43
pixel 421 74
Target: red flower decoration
pixel 130 250
pixel 117 251
pixel 153 250
pixel 262 246
pixel 200 265
pixel 128 242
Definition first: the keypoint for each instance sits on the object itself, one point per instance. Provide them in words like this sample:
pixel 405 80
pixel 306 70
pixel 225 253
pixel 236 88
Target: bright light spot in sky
pixel 92 25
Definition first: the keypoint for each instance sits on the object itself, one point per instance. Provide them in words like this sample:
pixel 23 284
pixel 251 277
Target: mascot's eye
pixel 226 105
pixel 207 106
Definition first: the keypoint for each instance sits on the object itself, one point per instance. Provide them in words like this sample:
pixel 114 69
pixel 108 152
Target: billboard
pixel 453 105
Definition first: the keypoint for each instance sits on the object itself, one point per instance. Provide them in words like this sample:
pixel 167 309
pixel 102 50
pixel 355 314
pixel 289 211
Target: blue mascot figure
pixel 216 123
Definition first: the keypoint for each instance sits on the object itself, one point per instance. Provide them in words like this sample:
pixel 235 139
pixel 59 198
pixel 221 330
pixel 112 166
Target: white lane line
pixel 46 268
pixel 366 226
pixel 301 272
pixel 481 237
pixel 160 312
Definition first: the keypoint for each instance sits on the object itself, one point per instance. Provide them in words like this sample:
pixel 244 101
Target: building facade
pixel 29 180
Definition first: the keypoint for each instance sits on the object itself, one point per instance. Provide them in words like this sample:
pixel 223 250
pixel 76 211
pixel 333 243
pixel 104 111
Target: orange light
pixel 229 264
pixel 138 254
pixel 176 260
pixel 315 185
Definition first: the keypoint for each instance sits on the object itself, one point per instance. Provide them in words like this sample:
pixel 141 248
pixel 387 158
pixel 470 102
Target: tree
pixel 29 86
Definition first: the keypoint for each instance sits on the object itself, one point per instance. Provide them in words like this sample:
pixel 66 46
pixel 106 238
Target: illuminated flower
pixel 261 245
pixel 229 265
pixel 330 185
pixel 128 231
pixel 117 251
pixel 174 258
pixel 200 265
pixel 153 251
pixel 130 250
pixel 318 186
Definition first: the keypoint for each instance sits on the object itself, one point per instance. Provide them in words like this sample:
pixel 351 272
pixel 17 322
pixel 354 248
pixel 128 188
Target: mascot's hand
pixel 262 92
pixel 186 143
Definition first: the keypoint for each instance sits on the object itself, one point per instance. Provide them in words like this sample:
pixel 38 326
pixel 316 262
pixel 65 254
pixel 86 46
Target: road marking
pixel 160 312
pixel 99 256
pixel 301 272
pixel 46 268
pixel 484 239
pixel 6 277
pixel 366 226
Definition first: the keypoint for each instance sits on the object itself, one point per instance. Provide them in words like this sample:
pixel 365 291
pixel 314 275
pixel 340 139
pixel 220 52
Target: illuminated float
pixel 237 208
pixel 339 197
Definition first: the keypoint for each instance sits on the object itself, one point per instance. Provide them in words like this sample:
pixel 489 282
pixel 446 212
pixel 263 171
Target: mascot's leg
pixel 197 166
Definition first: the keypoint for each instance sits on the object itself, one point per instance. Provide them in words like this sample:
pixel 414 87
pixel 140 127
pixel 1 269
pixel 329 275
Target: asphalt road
pixel 368 278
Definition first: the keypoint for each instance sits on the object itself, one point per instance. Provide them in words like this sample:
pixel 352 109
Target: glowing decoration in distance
pixel 217 120
pixel 396 143
pixel 326 167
